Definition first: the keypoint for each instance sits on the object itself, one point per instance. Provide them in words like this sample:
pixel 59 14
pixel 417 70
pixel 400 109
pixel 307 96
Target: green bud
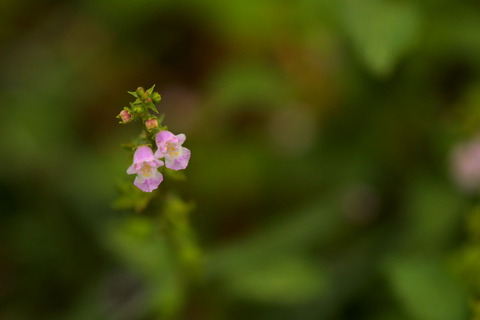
pixel 138 109
pixel 156 97
pixel 140 92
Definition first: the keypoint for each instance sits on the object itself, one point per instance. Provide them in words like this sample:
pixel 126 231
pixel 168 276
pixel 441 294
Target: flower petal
pixel 142 154
pixel 180 162
pixel 148 184
pixel 159 153
pixel 162 137
pixel 181 138
pixel 131 169
pixel 158 163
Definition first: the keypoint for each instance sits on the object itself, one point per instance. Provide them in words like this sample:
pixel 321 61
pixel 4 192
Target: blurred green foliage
pixel 319 185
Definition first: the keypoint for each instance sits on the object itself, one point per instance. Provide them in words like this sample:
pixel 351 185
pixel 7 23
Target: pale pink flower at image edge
pixel 466 165
pixel 170 147
pixel 145 166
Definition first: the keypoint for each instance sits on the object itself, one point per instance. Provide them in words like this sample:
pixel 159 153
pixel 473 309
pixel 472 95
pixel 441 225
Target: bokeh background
pixel 321 184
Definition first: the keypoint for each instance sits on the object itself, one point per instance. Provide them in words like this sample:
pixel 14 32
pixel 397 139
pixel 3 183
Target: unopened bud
pixel 137 109
pixel 148 100
pixel 140 92
pixel 125 116
pixel 156 97
pixel 151 124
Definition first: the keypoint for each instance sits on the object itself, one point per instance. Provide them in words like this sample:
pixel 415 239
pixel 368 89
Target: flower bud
pixel 140 92
pixel 138 109
pixel 148 100
pixel 125 116
pixel 156 97
pixel 151 124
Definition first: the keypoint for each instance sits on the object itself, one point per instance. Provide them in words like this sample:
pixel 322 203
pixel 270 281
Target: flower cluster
pixel 146 163
pixel 169 153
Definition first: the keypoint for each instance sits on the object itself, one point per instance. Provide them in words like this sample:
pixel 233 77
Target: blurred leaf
pixel 177 212
pixel 269 266
pixel 138 242
pixel 281 280
pixel 432 209
pixel 466 262
pixel 143 248
pixel 248 21
pixel 381 31
pixel 248 85
pixel 426 290
pixel 131 197
pixel 312 224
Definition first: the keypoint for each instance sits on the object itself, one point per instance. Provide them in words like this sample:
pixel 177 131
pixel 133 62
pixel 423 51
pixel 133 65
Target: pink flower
pixel 145 166
pixel 170 147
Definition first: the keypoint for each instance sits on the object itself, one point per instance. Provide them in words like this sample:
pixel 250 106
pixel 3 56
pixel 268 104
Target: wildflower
pixel 125 116
pixel 145 166
pixel 151 124
pixel 170 147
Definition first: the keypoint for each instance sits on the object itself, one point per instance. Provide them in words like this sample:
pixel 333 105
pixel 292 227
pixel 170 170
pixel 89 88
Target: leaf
pixel 286 280
pixel 426 289
pixel 152 106
pixel 150 91
pixel 146 254
pixel 431 212
pixel 133 93
pixel 381 31
pixel 160 119
pixel 270 266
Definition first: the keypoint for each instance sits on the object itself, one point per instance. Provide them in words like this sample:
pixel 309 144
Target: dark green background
pixel 319 184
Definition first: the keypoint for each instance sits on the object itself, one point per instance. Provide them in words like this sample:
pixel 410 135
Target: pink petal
pixel 143 154
pixel 148 184
pixel 179 163
pixel 181 138
pixel 162 137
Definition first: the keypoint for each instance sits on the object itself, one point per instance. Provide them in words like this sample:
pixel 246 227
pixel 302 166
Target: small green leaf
pixel 150 90
pixel 133 93
pixel 152 106
pixel 382 32
pixel 160 119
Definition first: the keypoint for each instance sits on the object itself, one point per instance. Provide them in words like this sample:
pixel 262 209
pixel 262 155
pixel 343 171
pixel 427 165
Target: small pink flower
pixel 145 166
pixel 170 147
